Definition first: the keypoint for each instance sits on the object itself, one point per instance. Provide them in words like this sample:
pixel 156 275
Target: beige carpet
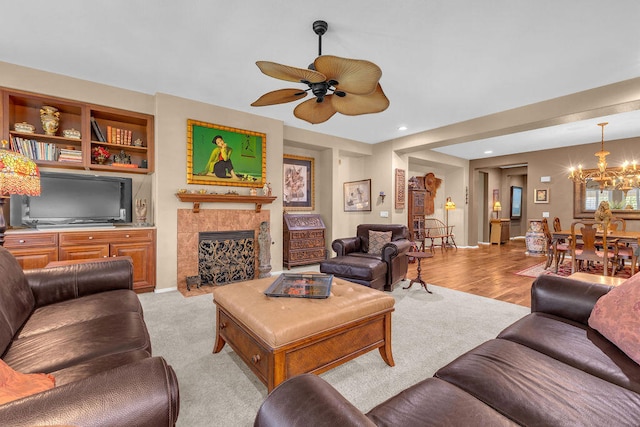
pixel 428 331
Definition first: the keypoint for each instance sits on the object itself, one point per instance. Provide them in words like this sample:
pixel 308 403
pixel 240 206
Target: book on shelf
pixel 34 149
pixel 96 130
pixel 73 156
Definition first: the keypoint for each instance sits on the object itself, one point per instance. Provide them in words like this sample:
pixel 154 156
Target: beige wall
pixel 339 160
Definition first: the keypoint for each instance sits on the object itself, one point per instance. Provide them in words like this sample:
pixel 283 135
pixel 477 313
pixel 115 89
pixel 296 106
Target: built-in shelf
pixel 196 199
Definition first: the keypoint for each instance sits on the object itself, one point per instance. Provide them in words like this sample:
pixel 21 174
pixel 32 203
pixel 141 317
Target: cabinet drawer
pixel 307 234
pixel 254 355
pixel 84 237
pixel 306 244
pixel 308 255
pixel 30 240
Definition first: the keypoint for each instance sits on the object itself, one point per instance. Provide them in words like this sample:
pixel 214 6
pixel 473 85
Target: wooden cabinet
pixel 61 151
pixel 416 212
pixel 303 240
pixel 37 249
pixel 33 250
pixel 139 244
pixel 500 230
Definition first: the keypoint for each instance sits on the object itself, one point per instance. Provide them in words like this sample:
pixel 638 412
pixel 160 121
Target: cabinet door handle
pixel 90 237
pixel 20 241
pixel 127 236
pixel 223 325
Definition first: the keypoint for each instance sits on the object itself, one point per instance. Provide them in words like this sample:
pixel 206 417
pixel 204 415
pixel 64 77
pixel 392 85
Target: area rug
pixel 429 331
pixel 564 270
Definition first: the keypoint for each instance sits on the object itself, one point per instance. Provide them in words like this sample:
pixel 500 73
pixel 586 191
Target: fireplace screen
pixel 226 257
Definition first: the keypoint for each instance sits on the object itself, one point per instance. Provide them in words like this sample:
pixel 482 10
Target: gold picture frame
pixel 298 184
pixel 222 155
pixel 541 195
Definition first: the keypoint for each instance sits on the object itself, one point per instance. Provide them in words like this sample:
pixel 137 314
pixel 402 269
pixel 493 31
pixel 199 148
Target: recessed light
pixel 402 128
pixel 488 152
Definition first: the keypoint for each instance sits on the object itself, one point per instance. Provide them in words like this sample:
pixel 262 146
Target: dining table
pixel 630 238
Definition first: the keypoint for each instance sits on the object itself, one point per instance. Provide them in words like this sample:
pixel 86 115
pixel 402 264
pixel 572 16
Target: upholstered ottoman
pixel 365 270
pixel 279 338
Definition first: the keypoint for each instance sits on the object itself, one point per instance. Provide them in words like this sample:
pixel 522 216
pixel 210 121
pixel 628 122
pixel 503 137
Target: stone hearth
pixel 190 224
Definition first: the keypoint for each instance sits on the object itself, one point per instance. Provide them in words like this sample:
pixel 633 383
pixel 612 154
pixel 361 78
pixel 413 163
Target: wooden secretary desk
pixel 303 240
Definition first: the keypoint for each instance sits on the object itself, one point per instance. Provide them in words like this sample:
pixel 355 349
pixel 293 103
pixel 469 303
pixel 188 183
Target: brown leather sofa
pixel 354 262
pixel 83 324
pixel 547 369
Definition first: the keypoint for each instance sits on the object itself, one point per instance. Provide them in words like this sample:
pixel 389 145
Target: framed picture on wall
pixel 357 196
pixel 541 195
pixel 400 184
pixel 222 155
pixel 516 202
pixel 298 184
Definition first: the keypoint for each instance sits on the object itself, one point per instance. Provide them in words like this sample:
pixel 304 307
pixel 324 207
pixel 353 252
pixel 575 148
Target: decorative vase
pixel 535 239
pixel 50 117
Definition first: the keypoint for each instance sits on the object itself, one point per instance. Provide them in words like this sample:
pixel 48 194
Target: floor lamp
pixel 18 175
pixel 448 206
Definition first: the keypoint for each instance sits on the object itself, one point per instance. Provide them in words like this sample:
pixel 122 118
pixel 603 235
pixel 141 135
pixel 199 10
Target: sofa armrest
pixel 566 298
pixel 346 245
pixel 143 393
pixel 308 400
pixel 395 248
pixel 73 280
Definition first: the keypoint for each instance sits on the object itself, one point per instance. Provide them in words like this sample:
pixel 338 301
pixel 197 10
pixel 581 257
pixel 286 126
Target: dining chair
pixel 617 224
pixel 556 250
pixel 585 232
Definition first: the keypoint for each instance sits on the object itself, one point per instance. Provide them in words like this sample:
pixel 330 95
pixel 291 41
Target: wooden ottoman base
pixel 314 353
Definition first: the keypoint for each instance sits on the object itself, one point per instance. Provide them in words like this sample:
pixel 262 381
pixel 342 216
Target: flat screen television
pixel 72 199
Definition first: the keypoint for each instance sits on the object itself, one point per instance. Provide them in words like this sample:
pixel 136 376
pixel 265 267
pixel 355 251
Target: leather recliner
pixel 354 262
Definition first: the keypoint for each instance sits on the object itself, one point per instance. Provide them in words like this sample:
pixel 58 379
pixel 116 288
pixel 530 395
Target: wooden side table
pixel 419 256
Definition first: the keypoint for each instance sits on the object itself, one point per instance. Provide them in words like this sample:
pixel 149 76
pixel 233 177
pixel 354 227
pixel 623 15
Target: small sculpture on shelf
pixel 141 211
pixel 266 189
pixel 122 158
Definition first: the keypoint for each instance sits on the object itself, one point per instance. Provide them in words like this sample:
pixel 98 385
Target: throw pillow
pixel 377 240
pixel 616 316
pixel 16 385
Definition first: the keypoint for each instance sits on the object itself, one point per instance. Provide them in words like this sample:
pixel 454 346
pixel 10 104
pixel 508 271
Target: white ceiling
pixel 443 61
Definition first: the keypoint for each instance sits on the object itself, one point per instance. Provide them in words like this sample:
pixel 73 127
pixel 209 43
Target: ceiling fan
pixel 347 86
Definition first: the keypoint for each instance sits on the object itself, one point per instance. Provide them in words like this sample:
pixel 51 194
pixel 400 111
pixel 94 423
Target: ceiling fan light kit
pixel 339 85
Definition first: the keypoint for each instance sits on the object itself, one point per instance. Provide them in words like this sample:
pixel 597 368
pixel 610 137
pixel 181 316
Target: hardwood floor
pixel 488 271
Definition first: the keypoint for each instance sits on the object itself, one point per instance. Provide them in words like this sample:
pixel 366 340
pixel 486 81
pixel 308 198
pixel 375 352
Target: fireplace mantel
pixel 196 199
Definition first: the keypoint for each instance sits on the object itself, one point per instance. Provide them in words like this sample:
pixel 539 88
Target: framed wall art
pixel 541 195
pixel 400 185
pixel 222 155
pixel 357 196
pixel 298 184
pixel 516 202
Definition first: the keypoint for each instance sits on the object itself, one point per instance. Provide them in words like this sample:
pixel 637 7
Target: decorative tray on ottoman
pixel 301 286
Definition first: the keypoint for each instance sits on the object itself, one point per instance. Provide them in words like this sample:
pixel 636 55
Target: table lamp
pixel 18 175
pixel 497 207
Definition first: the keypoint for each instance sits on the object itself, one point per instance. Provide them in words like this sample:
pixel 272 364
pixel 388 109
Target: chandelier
pixel 625 177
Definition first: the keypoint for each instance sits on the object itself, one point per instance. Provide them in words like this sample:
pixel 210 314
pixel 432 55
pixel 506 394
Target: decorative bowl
pixel 71 133
pixel 24 127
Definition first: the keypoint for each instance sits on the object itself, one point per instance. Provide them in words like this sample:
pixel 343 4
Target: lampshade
pixel 18 174
pixel 449 205
pixel 497 207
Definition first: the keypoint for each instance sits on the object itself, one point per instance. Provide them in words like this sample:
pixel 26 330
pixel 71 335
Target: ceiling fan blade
pixel 315 112
pixel 355 76
pixel 353 105
pixel 280 96
pixel 290 74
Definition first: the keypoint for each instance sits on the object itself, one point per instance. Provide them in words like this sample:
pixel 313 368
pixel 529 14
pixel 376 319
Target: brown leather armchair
pixel 354 261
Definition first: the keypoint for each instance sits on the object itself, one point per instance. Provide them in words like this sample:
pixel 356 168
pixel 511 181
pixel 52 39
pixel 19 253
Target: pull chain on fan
pixel 347 86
